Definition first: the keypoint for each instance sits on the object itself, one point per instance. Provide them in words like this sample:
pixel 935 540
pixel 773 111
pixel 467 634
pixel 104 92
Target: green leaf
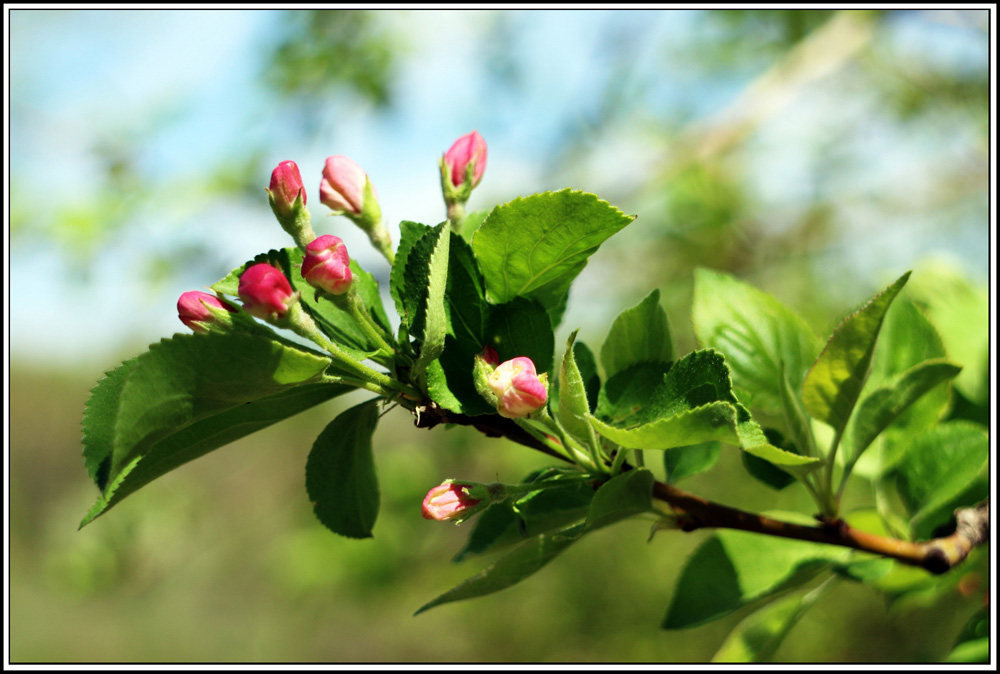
pixel 205 435
pixel 99 421
pixel 340 473
pixel 511 568
pixel 149 403
pixel 640 334
pixel 693 404
pixel 757 637
pixel 574 408
pixel 535 246
pixel 511 522
pixel 757 334
pixel 435 317
pixel 189 377
pixel 620 497
pixel 961 313
pixel 714 421
pixel 417 278
pixel 471 223
pixel 522 328
pixel 945 467
pixel 882 406
pixel 625 395
pixel 835 380
pixel 409 234
pixel 767 472
pixel 683 462
pixel 733 568
pixel 625 495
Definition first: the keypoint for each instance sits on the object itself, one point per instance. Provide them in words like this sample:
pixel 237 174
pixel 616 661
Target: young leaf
pixel 640 334
pixel 834 382
pixel 620 497
pixel 573 405
pixel 409 234
pixel 757 637
pixel 883 405
pixel 733 568
pixel 340 473
pixel 505 524
pixel 627 494
pixel 714 421
pixel 470 223
pixel 945 464
pixel 203 436
pixel 535 246
pixel 683 462
pixel 435 317
pixel 756 333
pixel 512 568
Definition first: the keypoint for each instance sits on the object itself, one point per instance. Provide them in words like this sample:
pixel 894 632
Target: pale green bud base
pixel 298 223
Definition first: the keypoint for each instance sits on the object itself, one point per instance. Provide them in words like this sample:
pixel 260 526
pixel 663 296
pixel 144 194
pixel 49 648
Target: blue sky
pixel 81 76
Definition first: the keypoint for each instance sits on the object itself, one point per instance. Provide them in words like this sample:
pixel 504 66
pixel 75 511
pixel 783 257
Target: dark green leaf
pixel 757 334
pixel 205 435
pixel 175 385
pixel 535 246
pixel 99 422
pixel 435 324
pixel 513 567
pixel 340 473
pixel 835 380
pixel 536 513
pixel 640 334
pixel 409 234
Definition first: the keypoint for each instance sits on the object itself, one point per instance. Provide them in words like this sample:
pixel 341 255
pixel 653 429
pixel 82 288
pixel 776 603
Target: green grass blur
pixel 223 561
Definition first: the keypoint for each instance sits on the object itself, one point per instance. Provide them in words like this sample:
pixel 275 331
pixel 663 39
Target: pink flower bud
pixel 490 355
pixel 343 185
pixel 519 390
pixel 327 265
pixel 448 501
pixel 265 292
pixel 192 309
pixel 469 148
pixel 286 185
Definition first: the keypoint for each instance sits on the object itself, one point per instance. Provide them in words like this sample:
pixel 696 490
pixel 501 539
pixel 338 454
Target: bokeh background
pixel 817 154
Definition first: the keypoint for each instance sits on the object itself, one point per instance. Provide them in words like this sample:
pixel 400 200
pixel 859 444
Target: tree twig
pixel 694 512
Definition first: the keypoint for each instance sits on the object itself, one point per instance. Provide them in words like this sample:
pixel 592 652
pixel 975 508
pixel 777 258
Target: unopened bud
pixel 195 309
pixel 265 292
pixel 327 265
pixel 519 390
